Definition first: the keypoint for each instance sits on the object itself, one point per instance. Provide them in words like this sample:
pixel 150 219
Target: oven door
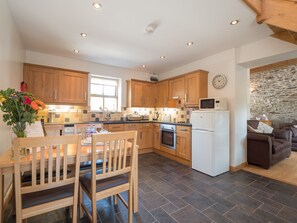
pixel 168 138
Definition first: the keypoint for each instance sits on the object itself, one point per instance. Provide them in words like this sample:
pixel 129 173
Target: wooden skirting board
pixel 237 168
pixel 147 150
pixel 173 157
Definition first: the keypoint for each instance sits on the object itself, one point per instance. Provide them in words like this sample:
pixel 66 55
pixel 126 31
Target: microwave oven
pixel 213 104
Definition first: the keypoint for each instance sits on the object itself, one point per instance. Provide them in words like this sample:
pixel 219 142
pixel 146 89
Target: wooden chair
pixel 48 192
pixel 116 176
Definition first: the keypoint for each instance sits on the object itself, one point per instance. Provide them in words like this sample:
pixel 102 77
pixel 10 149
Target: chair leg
pixel 115 199
pixel 74 213
pixel 94 211
pixel 130 206
pixel 81 200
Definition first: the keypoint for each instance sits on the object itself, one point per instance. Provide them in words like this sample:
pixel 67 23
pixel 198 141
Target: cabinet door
pixel 196 86
pixel 156 136
pixel 183 142
pixel 176 88
pixel 146 136
pixel 149 96
pixel 73 87
pixel 137 90
pixel 42 82
pixel 133 126
pixel 162 94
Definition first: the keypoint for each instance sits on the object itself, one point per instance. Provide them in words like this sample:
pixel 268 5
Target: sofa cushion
pixel 253 123
pixel 264 128
pixel 279 145
pixel 251 129
pixel 294 131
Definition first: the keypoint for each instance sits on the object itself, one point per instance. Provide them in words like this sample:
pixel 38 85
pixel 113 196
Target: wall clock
pixel 219 81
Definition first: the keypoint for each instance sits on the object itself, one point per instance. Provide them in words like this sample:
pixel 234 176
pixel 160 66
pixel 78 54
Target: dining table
pixel 7 168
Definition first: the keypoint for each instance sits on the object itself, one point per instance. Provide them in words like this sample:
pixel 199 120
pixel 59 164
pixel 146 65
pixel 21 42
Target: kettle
pixel 156 116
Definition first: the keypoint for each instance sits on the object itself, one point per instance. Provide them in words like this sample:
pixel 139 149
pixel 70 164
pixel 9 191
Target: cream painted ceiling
pixel 116 31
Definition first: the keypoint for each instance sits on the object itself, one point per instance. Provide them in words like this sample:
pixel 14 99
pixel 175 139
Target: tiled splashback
pixel 70 114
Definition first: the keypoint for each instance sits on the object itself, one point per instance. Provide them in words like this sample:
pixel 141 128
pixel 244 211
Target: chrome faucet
pixel 107 113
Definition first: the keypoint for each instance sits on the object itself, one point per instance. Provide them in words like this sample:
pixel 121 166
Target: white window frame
pixel 118 91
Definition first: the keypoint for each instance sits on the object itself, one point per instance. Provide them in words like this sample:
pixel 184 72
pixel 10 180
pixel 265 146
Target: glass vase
pixel 19 132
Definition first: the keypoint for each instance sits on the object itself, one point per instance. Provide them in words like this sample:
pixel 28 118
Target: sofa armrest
pixel 283 134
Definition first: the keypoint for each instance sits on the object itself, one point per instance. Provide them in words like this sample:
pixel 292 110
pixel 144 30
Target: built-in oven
pixel 168 135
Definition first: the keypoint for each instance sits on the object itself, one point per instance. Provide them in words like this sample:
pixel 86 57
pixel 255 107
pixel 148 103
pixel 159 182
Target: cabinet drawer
pixel 145 126
pixel 183 129
pixel 116 127
pixel 133 126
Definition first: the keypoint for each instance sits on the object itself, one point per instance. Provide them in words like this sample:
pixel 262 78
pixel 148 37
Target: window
pixel 104 93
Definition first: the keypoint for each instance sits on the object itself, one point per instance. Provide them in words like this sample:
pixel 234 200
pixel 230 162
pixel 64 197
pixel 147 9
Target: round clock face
pixel 219 81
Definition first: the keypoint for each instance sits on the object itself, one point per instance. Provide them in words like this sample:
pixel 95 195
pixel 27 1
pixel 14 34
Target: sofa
pixel 266 149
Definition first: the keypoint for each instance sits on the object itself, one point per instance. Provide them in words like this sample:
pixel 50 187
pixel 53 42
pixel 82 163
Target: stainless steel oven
pixel 168 135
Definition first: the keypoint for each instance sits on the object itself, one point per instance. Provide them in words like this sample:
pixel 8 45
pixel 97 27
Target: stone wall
pixel 274 93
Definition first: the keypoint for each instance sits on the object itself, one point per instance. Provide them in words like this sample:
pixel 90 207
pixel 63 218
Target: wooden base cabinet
pixel 146 135
pixel 183 142
pixel 156 135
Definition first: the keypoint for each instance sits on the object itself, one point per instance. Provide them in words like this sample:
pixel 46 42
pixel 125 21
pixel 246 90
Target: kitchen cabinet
pixel 196 87
pixel 42 82
pixel 145 135
pixel 183 142
pixel 156 135
pixel 133 127
pixel 73 87
pixel 55 85
pixel 177 88
pixel 162 94
pixel 114 127
pixel 140 94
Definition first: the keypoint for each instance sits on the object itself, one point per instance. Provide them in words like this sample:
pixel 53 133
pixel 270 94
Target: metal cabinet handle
pixel 140 135
pixel 85 95
pixel 186 98
pixel 55 94
pixel 183 130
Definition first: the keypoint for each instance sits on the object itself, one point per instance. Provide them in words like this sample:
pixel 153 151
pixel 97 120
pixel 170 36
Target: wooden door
pixel 146 136
pixel 196 87
pixel 73 87
pixel 149 96
pixel 183 142
pixel 162 94
pixel 177 88
pixel 156 136
pixel 42 82
pixel 131 127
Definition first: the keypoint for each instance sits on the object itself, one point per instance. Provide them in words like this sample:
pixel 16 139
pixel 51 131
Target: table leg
pixel 135 186
pixel 1 195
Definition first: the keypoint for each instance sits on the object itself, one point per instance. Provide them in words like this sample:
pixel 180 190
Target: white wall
pixel 235 64
pixel 12 55
pixel 93 68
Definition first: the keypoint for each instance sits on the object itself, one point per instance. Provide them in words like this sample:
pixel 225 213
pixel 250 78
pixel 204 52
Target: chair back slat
pixel 119 148
pixel 50 164
pixel 42 166
pixel 34 173
pixel 58 163
pixel 64 163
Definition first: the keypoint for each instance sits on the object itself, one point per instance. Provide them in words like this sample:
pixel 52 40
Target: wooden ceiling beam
pixel 255 5
pixel 278 13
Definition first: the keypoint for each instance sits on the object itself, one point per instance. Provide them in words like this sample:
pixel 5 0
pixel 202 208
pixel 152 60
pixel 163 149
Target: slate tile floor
pixel 170 192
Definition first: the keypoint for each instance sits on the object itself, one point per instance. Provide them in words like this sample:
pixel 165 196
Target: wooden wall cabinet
pixel 55 85
pixel 42 82
pixel 177 88
pixel 162 94
pixel 73 87
pixel 140 94
pixel 183 142
pixel 196 87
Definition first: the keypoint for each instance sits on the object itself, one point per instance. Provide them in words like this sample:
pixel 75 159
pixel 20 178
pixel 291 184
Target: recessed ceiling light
pixel 190 43
pixel 162 57
pixel 234 22
pixel 76 51
pixel 97 5
pixel 143 66
pixel 83 34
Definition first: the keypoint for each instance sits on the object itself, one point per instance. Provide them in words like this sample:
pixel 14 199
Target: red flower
pixel 27 100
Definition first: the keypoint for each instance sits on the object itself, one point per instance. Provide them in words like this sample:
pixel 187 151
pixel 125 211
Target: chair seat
pixel 87 165
pixel 45 196
pixel 104 184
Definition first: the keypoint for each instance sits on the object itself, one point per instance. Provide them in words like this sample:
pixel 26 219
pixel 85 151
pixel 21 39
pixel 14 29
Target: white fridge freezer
pixel 210 142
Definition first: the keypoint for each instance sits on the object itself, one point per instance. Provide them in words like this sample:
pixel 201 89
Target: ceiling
pixel 116 33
